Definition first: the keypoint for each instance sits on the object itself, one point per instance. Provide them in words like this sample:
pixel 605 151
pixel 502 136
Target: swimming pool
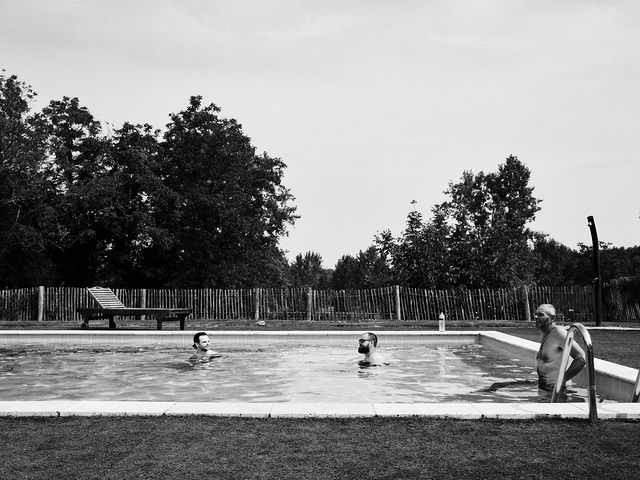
pixel 313 373
pixel 424 375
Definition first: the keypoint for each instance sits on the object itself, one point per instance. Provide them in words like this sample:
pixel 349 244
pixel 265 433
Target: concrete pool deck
pixel 613 378
pixel 468 411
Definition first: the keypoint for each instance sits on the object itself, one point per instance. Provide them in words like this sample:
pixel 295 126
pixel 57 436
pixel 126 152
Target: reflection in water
pixel 277 374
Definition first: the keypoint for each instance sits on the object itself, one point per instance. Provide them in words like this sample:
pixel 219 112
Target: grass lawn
pixel 239 448
pixel 394 448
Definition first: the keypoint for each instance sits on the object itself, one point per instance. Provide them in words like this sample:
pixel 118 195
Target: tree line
pixel 195 206
pixel 478 238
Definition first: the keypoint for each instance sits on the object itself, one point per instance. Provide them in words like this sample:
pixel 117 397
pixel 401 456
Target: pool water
pixel 415 374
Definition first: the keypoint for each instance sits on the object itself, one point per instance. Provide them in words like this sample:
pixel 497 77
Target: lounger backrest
pixel 105 297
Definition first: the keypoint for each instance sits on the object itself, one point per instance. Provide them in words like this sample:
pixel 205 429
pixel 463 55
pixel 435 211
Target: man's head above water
pixel 201 341
pixel 367 342
pixel 367 345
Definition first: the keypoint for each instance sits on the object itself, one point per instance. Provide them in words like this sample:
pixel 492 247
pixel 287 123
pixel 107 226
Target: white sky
pixel 371 104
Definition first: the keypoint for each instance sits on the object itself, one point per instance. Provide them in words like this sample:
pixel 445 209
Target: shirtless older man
pixel 549 356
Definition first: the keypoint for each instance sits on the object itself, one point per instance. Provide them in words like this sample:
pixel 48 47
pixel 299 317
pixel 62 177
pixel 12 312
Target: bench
pixel 111 307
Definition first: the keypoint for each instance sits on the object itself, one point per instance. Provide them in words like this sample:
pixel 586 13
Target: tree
pixel 369 269
pixel 477 238
pixel 196 207
pixel 615 263
pixel 306 271
pixel 23 188
pixel 133 182
pixel 487 217
pixel 79 172
pixel 346 275
pixel 554 263
pixel 419 257
pixel 224 207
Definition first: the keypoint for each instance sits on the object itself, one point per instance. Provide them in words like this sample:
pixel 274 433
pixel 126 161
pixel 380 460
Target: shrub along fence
pixel 574 304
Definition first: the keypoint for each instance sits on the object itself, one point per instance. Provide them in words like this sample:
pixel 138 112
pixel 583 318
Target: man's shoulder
pixel 378 359
pixel 558 332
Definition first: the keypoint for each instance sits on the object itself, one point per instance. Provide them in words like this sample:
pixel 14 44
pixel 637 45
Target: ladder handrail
pixel 578 327
pixel 636 389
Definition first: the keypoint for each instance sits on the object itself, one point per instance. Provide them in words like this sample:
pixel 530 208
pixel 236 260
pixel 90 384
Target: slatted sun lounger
pixel 111 306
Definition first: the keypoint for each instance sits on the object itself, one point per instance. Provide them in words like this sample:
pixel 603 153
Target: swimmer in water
pixel 549 356
pixel 368 344
pixel 203 353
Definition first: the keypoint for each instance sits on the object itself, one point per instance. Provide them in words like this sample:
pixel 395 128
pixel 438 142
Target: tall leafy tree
pixel 226 207
pixel 128 226
pixel 488 217
pixel 23 188
pixel 478 237
pixel 78 170
pixel 419 256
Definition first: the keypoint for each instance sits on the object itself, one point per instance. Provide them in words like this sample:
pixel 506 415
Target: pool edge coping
pixel 466 411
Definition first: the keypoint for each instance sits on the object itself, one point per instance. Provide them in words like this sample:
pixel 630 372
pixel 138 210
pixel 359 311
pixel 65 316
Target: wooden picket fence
pixel 387 303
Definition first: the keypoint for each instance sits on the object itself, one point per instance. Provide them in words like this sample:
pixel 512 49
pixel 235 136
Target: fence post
pixel 143 301
pixel 40 303
pixel 256 304
pixel 309 303
pixel 398 313
pixel 527 311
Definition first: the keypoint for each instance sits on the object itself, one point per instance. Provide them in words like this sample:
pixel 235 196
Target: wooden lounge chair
pixel 111 306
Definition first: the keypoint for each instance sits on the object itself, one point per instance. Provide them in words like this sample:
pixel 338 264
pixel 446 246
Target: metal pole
pixel 597 281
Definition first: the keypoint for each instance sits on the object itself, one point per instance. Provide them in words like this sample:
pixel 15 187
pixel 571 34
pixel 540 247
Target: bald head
pixel 548 309
pixel 545 317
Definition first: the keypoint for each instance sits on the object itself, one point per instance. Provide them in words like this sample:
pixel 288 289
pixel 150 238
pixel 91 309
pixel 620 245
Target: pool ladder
pixel 578 327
